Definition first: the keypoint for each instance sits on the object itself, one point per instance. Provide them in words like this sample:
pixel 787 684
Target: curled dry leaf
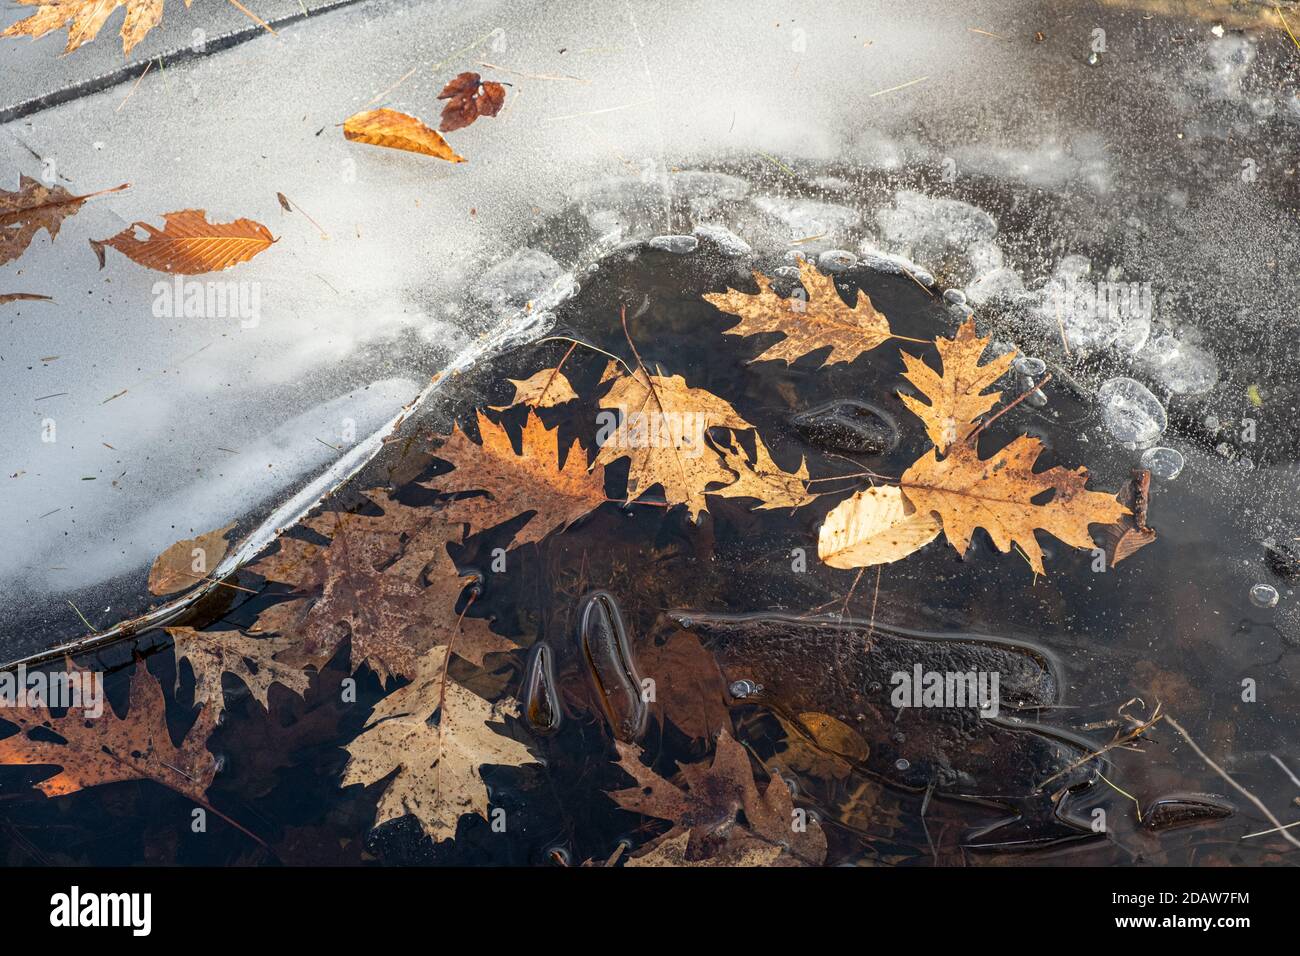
pixel 469 98
pixel 188 562
pixel 807 325
pixel 533 480
pixel 997 494
pixel 705 811
pixel 188 244
pixel 437 736
pixel 956 395
pixel 100 749
pixel 1131 533
pixel 398 131
pixel 84 18
pixel 33 207
pixel 7 297
pixel 875 526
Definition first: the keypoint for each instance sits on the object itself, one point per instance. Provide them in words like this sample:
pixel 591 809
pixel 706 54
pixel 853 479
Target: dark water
pixel 1171 624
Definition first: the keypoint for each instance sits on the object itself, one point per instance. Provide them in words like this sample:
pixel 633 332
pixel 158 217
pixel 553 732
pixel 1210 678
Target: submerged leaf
pixel 33 207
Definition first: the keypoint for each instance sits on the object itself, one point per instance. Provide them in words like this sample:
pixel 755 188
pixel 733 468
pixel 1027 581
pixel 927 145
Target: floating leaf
pixel 821 321
pixel 875 526
pixel 956 395
pixel 544 389
pixel 188 244
pixel 998 493
pixel 398 131
pixel 251 659
pixel 533 480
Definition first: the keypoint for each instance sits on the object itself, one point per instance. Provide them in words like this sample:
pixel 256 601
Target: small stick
pixel 1006 408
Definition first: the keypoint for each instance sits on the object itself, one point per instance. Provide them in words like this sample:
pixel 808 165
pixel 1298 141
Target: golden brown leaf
pixel 875 526
pixel 956 395
pixel 469 98
pixel 663 432
pixel 84 18
pixel 823 746
pixel 822 321
pixel 544 389
pixel 437 736
pixel 997 494
pixel 188 562
pixel 398 131
pixel 251 659
pixel 109 749
pixel 33 207
pixel 533 480
pixel 188 244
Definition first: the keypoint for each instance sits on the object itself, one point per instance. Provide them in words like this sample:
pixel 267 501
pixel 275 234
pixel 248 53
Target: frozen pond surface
pixel 1167 169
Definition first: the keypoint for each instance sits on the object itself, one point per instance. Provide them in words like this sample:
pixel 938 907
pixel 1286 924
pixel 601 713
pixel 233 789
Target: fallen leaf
pixel 384 580
pixel 997 493
pixel 875 526
pixel 188 562
pixel 33 207
pixel 469 98
pixel 533 480
pixel 822 320
pixel 956 395
pixel 544 389
pixel 109 749
pixel 398 131
pixel 688 686
pixel 188 244
pixel 8 297
pixel 84 18
pixel 436 735
pixel 251 659
pixel 1131 532
pixel 740 852
pixel 664 434
pixel 706 807
pixel 821 745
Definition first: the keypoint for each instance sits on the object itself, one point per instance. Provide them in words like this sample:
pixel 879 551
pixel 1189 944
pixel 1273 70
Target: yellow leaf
pixel 875 526
pixel 807 326
pixel 84 18
pixel 544 389
pixel 956 395
pixel 398 131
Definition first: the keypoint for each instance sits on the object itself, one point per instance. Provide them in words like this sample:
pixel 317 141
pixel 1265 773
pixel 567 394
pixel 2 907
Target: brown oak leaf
pixel 33 207
pixel 535 480
pixel 820 321
pixel 84 18
pixel 957 396
pixel 108 749
pixel 706 805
